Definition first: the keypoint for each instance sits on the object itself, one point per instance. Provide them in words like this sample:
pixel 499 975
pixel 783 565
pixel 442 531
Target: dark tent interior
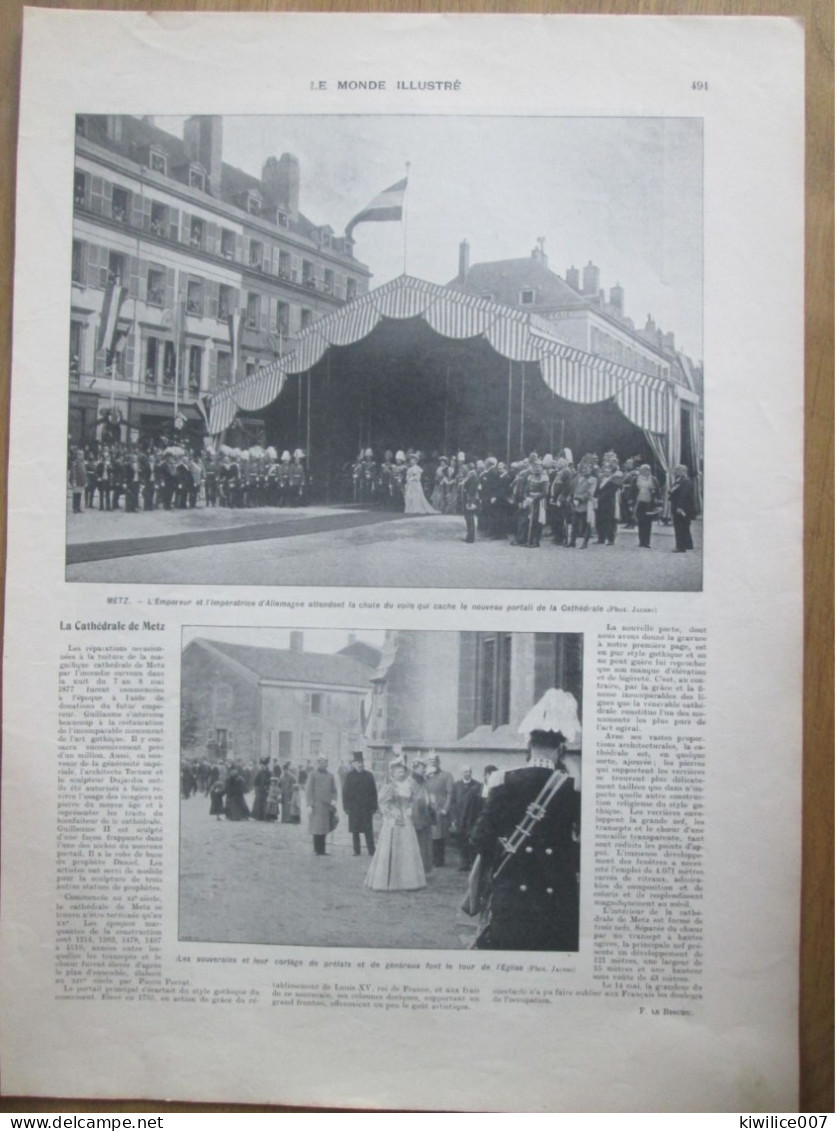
pixel 405 386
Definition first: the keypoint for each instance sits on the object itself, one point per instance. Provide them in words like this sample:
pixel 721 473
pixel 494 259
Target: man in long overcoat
pixel 463 814
pixel 681 495
pixel 320 795
pixel 360 803
pixel 440 788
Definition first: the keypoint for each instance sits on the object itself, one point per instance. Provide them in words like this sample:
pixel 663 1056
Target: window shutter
pixel 137 210
pixel 91 271
pixel 87 191
pixel 213 239
pixel 213 369
pixel 274 265
pixel 103 267
pixel 174 224
pixel 212 298
pixel 185 220
pixel 99 363
pixel 271 306
pixel 146 214
pixel 296 268
pixel 264 303
pixel 96 195
pixel 142 288
pixel 133 276
pixel 239 248
pixel 170 290
pixel 266 260
pixel 107 206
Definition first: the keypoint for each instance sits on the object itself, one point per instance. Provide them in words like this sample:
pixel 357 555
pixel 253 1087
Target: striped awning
pixel 570 373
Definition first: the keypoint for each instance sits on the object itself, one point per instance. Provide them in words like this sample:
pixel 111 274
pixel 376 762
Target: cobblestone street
pixel 260 882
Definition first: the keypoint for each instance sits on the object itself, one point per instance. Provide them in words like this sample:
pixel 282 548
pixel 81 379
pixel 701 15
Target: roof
pixel 504 279
pixel 365 653
pixel 137 134
pixel 277 665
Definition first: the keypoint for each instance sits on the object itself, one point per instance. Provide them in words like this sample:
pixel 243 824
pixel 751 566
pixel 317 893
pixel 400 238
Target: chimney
pixel 464 261
pixel 203 137
pixel 281 181
pixel 573 278
pixel 617 299
pixel 650 325
pixel 538 253
pixel 668 342
pixel 297 641
pixel 591 279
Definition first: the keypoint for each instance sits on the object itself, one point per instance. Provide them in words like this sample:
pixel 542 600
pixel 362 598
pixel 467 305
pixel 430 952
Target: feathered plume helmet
pixel 555 714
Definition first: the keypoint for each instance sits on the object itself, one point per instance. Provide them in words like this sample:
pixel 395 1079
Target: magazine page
pixel 403 636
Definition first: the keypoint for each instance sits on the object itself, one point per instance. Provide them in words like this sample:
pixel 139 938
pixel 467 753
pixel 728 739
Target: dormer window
pixel 253 203
pixel 157 162
pixel 527 296
pixel 197 177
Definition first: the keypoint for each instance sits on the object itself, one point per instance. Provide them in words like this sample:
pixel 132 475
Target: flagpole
pixel 404 214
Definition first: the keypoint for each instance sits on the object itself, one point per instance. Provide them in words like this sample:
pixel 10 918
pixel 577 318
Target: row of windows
pixel 154 284
pixel 166 222
pixel 603 345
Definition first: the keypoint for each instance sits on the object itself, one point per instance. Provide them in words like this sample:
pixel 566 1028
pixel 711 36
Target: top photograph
pixel 433 351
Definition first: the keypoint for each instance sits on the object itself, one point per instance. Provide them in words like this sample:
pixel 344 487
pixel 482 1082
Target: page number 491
pixel 700 84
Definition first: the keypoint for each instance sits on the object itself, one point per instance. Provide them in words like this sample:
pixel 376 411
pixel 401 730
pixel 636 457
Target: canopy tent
pixel 523 340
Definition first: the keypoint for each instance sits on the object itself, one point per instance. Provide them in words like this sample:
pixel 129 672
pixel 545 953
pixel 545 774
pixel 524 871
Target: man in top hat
pixel 681 495
pixel 360 803
pixel 528 838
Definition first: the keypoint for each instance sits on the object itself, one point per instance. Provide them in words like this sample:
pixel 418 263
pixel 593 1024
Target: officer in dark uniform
pixel 529 846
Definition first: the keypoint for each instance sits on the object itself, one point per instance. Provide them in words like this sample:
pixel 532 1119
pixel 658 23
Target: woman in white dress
pixel 415 500
pixel 396 865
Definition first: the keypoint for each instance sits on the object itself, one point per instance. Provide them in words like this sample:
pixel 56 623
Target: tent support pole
pixel 447 385
pixel 522 407
pixel 328 427
pixel 508 419
pixel 308 421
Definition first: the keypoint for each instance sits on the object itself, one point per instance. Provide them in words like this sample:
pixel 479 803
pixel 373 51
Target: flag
pixel 115 295
pixel 387 205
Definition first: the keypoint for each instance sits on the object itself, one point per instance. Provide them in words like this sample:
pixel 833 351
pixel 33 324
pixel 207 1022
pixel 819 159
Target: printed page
pixel 403 637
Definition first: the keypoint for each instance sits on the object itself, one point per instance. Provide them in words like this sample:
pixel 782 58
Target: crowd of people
pixel 540 497
pixel 516 833
pixel 175 477
pixel 533 498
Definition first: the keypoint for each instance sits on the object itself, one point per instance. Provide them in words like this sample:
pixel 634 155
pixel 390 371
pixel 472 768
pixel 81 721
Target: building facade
pixel 245 703
pixel 187 273
pixel 586 317
pixel 464 694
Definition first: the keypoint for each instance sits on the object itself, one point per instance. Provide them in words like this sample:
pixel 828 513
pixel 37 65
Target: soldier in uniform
pixel 298 480
pixel 210 470
pixel 283 479
pixel 528 838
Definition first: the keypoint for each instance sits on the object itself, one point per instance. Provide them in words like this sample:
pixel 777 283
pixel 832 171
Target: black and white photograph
pixel 387 351
pixel 390 789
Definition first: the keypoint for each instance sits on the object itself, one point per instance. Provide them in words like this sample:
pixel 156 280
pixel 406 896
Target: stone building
pixel 464 694
pixel 187 273
pixel 595 321
pixel 247 703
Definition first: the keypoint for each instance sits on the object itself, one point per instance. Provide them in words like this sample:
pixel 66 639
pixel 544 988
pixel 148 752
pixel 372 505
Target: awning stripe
pixel 571 373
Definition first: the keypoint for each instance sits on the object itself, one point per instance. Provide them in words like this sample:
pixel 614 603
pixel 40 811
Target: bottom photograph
pixel 412 789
